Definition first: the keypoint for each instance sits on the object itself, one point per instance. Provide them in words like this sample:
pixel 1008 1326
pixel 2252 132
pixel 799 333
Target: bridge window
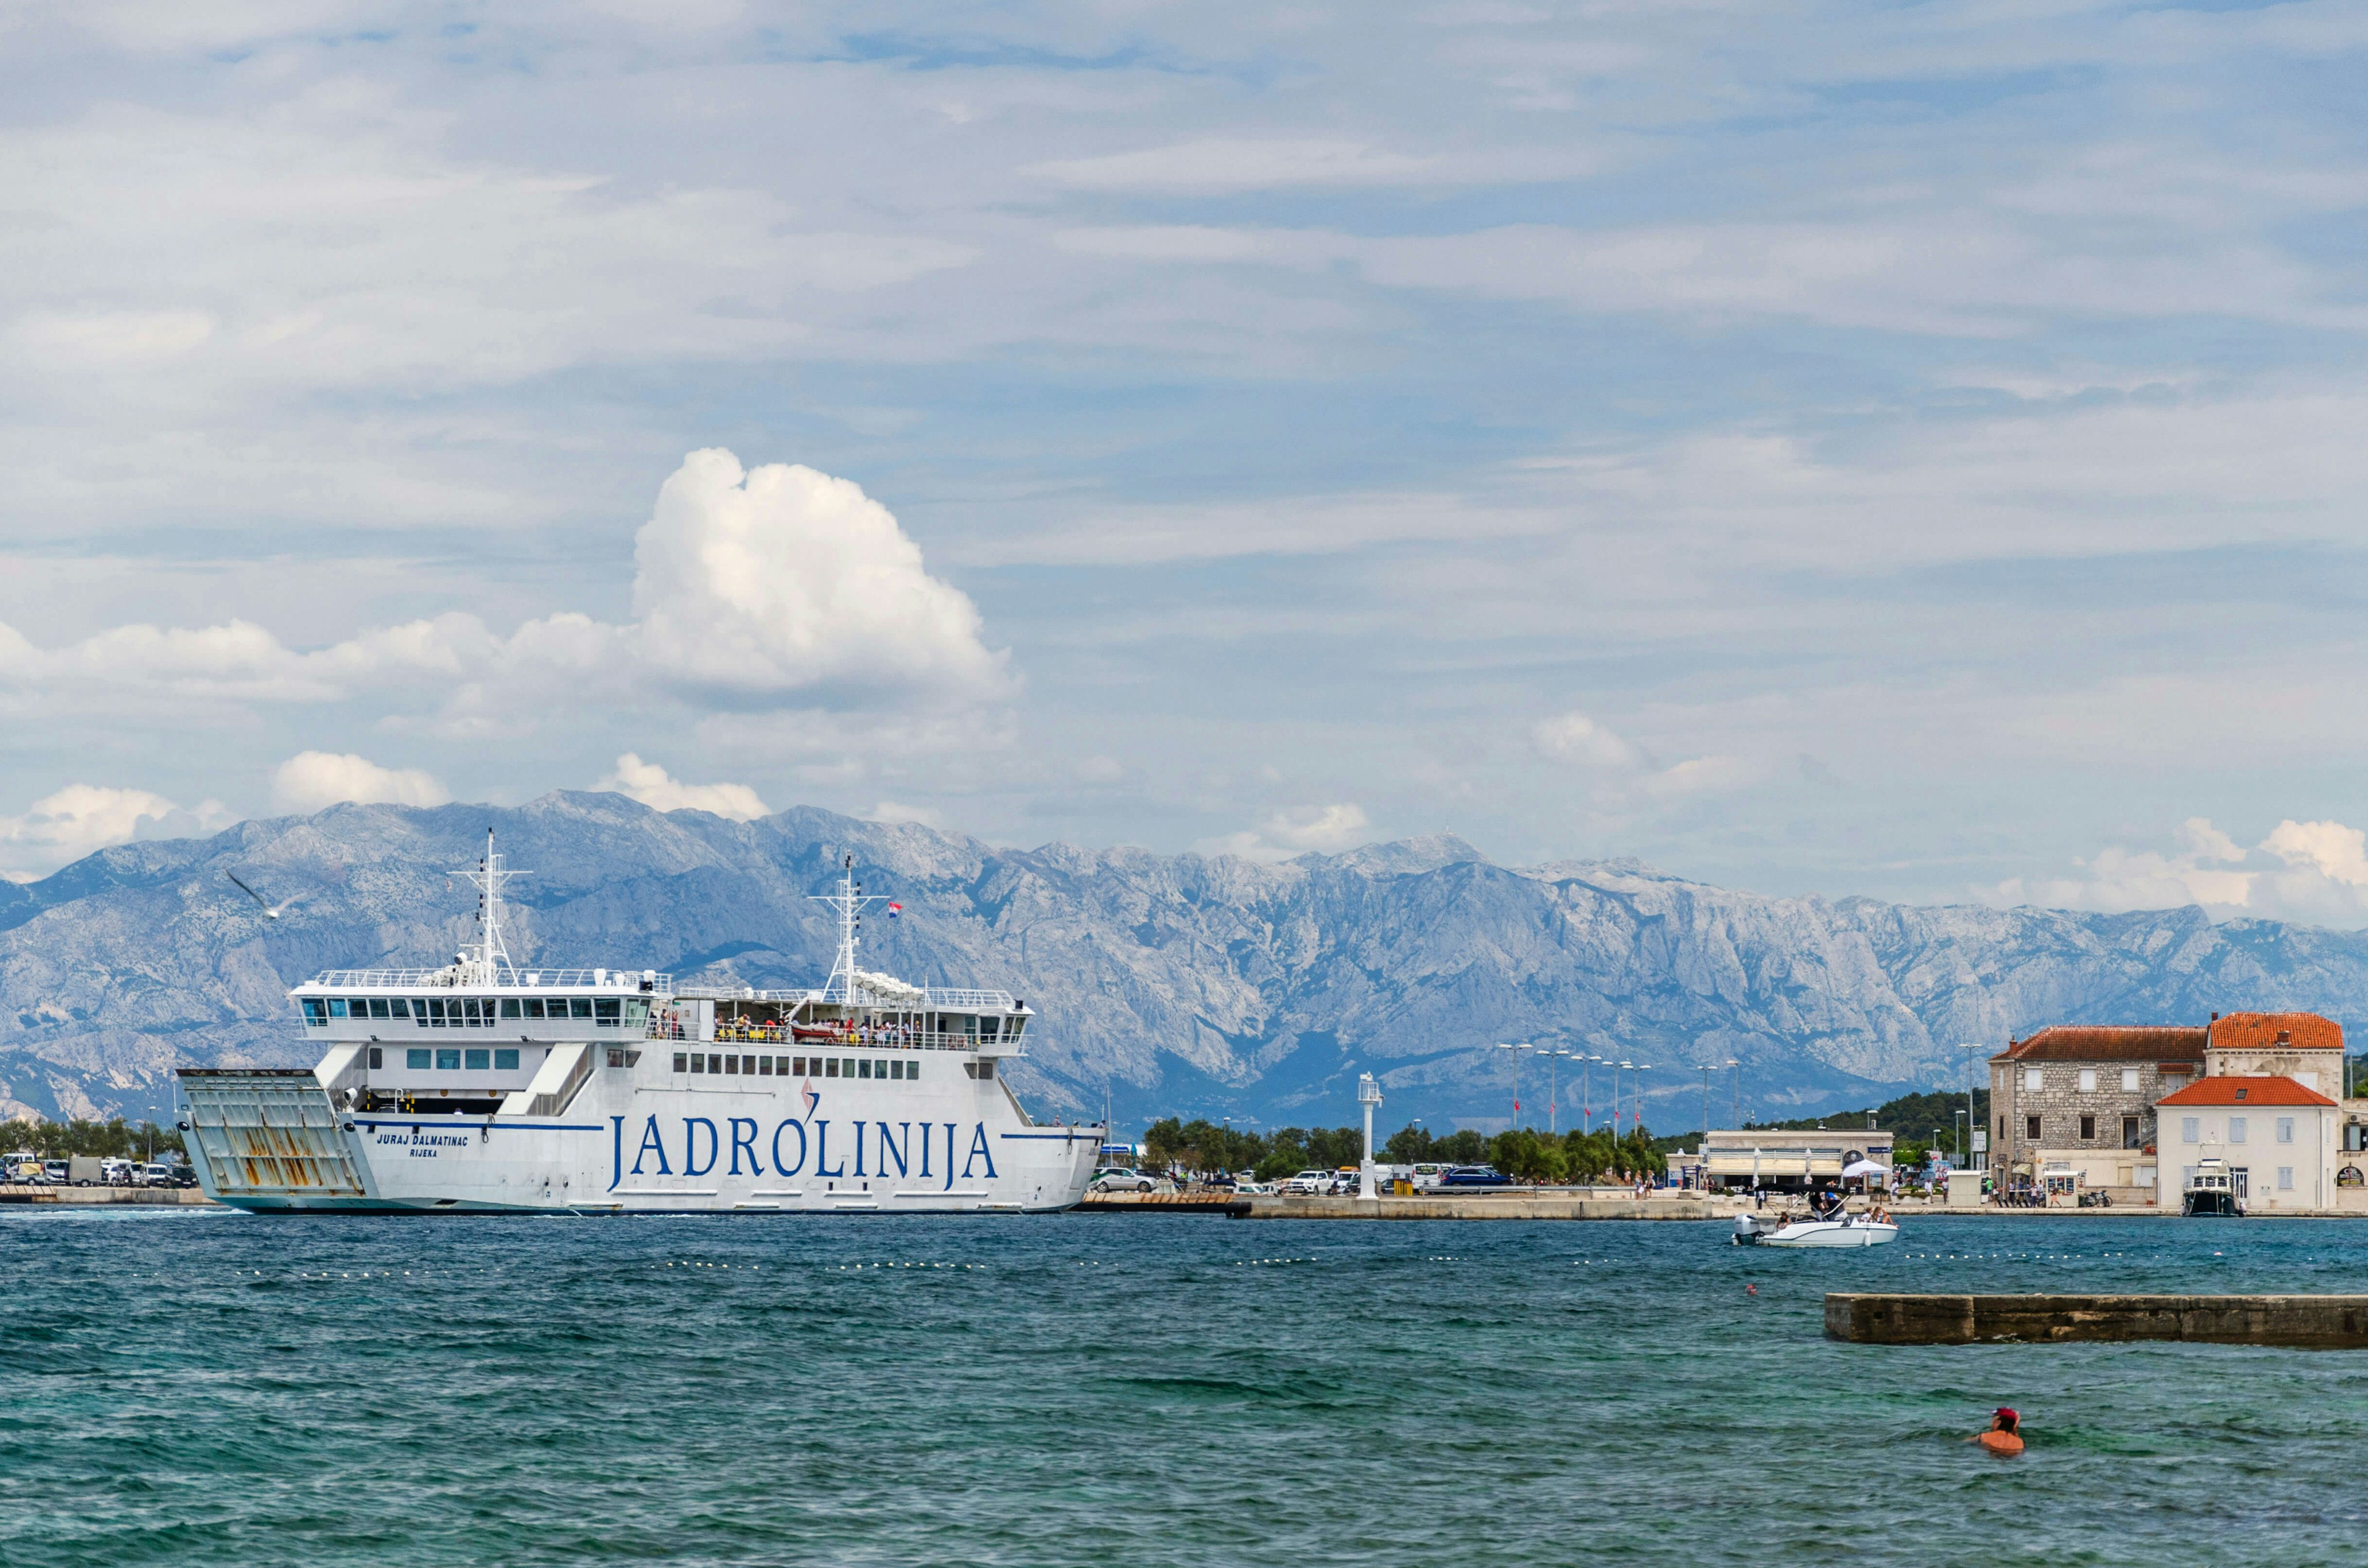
pixel 447 1061
pixel 358 1008
pixel 336 1006
pixel 317 1013
pixel 435 1012
pixel 607 1011
pixel 510 1006
pixel 579 1006
pixel 417 1060
pixel 533 1006
pixel 480 1059
pixel 505 1061
pixel 377 1007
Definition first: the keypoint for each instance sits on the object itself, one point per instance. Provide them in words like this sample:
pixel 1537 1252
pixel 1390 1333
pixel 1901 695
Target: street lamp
pixel 1706 1072
pixel 1731 1062
pixel 1508 1045
pixel 1970 1070
pixel 1553 1092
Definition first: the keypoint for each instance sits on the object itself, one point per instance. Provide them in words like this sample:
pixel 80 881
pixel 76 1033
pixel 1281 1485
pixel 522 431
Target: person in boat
pixel 2005 1434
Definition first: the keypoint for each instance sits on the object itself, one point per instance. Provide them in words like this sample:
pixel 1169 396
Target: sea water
pixel 206 1387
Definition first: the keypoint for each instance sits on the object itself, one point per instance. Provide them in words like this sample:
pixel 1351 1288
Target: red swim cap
pixel 2010 1414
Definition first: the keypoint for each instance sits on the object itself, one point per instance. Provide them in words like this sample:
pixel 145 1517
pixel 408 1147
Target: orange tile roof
pixel 2224 1090
pixel 2106 1042
pixel 2258 1031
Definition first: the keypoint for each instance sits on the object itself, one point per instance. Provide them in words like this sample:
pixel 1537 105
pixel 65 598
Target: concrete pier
pixel 2312 1322
pixel 69 1197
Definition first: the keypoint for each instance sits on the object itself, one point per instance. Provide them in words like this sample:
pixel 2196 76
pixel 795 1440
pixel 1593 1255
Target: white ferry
pixel 482 1086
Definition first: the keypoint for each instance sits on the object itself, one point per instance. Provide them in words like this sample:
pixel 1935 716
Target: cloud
pixel 1575 737
pixel 311 780
pixel 1324 830
pixel 2303 870
pixel 81 818
pixel 779 587
pixel 784 579
pixel 648 783
pixel 1224 164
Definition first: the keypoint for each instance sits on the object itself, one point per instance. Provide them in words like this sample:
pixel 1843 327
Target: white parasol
pixel 1863 1168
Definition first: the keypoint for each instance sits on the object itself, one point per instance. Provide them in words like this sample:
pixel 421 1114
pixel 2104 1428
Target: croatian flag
pixel 894 910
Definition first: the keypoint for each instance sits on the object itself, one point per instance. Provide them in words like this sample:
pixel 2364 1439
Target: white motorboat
pixel 1842 1230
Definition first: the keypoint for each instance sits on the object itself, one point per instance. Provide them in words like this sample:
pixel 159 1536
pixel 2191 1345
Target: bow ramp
pixel 268 1136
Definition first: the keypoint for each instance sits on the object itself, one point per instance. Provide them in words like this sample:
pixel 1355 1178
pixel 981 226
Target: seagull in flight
pixel 270 910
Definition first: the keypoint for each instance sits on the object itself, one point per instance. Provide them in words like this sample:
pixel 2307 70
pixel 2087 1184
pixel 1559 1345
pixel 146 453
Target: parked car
pixel 115 1173
pixel 1254 1189
pixel 1473 1176
pixel 1118 1178
pixel 151 1175
pixel 1309 1184
pixel 1425 1176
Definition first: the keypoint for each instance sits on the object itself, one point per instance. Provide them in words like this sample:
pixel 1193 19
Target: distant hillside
pixel 1173 984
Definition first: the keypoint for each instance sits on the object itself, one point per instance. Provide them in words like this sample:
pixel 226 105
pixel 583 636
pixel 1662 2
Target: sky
pixel 1907 450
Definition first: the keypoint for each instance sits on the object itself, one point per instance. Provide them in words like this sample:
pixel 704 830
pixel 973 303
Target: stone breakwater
pixel 2300 1322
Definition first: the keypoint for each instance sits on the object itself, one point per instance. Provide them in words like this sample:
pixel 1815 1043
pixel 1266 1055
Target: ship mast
pixel 489 962
pixel 849 901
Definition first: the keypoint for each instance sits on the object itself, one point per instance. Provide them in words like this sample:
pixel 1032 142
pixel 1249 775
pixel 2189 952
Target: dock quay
pixel 1516 1203
pixel 2306 1322
pixel 72 1197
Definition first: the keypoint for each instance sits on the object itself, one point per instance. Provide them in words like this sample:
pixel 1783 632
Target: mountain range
pixel 1167 984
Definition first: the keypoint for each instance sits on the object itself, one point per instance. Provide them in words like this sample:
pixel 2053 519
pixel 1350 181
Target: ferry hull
pixel 276 1142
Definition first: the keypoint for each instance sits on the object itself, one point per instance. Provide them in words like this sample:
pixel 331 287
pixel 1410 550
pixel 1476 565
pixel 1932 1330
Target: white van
pixel 114 1173
pixel 1424 1176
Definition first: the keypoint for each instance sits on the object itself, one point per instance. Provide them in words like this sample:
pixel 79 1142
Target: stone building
pixel 2083 1097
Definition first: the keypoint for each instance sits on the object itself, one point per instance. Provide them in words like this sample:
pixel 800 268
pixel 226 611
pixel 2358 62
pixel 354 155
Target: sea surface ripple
pixel 203 1387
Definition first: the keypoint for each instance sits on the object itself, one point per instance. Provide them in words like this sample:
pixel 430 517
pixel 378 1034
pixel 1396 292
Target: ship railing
pixel 627 980
pixel 661 1028
pixel 928 999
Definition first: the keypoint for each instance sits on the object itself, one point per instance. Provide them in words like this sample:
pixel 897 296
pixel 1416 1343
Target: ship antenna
pixel 492 964
pixel 850 902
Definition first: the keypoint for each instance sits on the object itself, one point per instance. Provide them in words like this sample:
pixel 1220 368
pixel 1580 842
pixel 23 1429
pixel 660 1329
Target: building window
pixel 2235 1130
pixel 2285 1129
pixel 2087 1080
pixel 2130 1135
pixel 2030 1079
pixel 2188 1134
pixel 417 1061
pixel 2030 1127
pixel 447 1061
pixel 505 1061
pixel 2285 1178
pixel 2087 1130
pixel 2001 1130
pixel 2129 1080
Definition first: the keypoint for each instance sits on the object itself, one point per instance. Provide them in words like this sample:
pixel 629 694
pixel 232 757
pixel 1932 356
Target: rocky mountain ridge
pixel 1168 984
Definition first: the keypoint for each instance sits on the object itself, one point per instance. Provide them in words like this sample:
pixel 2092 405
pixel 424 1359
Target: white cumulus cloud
pixel 1575 737
pixel 2312 871
pixel 312 780
pixel 781 578
pixel 63 827
pixel 649 783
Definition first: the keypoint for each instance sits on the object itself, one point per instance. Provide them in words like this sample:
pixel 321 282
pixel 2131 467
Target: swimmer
pixel 2004 1437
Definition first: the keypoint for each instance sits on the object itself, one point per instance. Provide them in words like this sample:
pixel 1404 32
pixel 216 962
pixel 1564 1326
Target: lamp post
pixel 1637 1097
pixel 1970 1069
pixel 1508 1045
pixel 1553 1095
pixel 1617 1068
pixel 1705 1072
pixel 1369 1095
pixel 1731 1062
